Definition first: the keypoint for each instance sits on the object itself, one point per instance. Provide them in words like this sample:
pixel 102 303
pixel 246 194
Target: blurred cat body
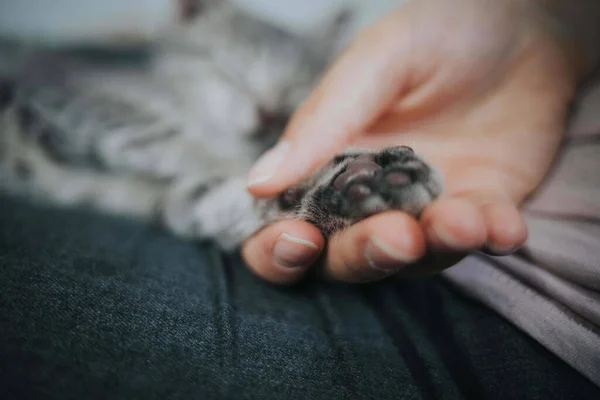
pixel 168 133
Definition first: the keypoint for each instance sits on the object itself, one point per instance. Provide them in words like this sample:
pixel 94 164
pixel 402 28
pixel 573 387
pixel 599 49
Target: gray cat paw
pixel 365 183
pixel 393 179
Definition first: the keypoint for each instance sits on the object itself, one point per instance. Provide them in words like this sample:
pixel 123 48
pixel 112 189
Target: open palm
pixel 482 94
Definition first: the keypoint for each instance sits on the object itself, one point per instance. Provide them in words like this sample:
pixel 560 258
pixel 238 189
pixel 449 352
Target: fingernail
pixel 293 252
pixel 267 165
pixel 383 257
pixel 445 237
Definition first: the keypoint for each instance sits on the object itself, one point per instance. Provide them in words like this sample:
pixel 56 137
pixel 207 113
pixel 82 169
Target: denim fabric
pixel 100 307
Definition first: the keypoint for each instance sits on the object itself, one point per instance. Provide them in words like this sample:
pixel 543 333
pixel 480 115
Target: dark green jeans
pixel 98 307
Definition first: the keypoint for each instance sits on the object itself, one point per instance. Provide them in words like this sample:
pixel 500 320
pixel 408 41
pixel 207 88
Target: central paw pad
pixel 372 183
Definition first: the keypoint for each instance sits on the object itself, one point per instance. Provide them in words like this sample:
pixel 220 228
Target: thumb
pixel 356 90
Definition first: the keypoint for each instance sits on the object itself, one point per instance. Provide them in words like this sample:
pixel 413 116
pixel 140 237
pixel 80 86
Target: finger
pixel 281 253
pixel 468 222
pixel 454 224
pixel 507 230
pixel 374 248
pixel 452 227
pixel 474 222
pixel 351 95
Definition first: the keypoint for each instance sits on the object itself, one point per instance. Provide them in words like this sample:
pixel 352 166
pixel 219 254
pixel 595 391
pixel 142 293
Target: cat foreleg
pixel 219 209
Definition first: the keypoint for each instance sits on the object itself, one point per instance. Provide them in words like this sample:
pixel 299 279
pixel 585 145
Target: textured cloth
pixel 552 288
pixel 98 307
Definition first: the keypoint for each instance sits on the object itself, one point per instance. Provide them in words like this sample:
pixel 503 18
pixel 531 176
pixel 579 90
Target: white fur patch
pixel 228 214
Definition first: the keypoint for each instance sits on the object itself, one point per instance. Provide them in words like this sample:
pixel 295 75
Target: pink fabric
pixel 551 289
pixel 586 119
pixel 573 187
pixel 564 215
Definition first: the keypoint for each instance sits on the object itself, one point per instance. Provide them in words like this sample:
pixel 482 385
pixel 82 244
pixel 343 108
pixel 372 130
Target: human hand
pixel 480 88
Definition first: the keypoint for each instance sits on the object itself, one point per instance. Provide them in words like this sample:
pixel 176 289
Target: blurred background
pixel 131 21
pixel 302 15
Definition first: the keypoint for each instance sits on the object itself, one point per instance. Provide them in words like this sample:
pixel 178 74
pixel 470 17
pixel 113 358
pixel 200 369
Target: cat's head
pixel 278 67
pixel 269 66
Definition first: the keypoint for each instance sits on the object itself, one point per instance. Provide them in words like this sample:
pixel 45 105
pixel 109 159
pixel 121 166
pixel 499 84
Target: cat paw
pixel 392 179
pixel 360 184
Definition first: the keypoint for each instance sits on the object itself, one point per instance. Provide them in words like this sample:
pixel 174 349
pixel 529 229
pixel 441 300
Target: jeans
pixel 93 306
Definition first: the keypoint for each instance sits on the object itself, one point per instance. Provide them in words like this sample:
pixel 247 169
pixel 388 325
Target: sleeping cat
pixel 170 133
